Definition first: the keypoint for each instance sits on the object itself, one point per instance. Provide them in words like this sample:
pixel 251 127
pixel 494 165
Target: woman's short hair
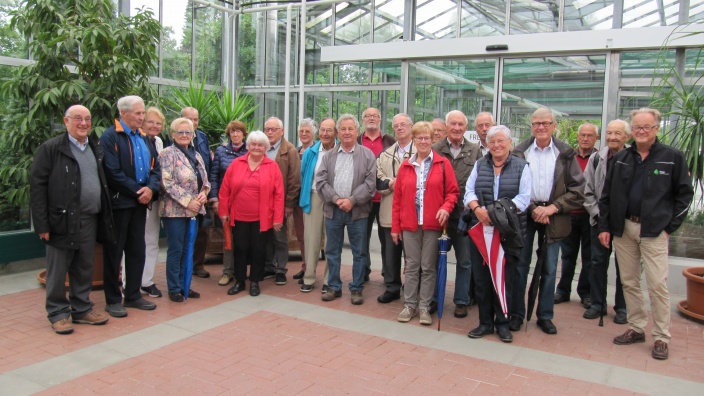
pixel 236 125
pixel 258 137
pixel 496 129
pixel 155 111
pixel 181 120
pixel 309 122
pixel 422 128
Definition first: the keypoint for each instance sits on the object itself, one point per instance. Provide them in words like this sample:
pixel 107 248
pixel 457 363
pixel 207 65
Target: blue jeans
pixel 176 232
pixel 356 233
pixel 463 269
pixel 546 292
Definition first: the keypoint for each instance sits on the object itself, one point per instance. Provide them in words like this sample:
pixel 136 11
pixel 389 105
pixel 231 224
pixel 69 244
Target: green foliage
pixel 679 96
pixel 568 129
pixel 85 54
pixel 216 108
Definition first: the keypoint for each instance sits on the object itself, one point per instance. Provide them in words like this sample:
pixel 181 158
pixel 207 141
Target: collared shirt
pixel 522 200
pixel 81 146
pixel 401 151
pixel 542 169
pixel 455 151
pixel 421 179
pixel 483 149
pixel 274 150
pixel 321 155
pixel 344 173
pixel 142 156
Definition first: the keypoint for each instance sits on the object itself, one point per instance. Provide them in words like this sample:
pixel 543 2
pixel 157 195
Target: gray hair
pixel 542 112
pixel 453 112
pixel 440 120
pixel 126 103
pixel 589 124
pixel 346 117
pixel 654 112
pixel 309 122
pixel 189 108
pixel 626 126
pixel 258 137
pixel 484 113
pixel 409 120
pixel 183 120
pixel 278 120
pixel 496 129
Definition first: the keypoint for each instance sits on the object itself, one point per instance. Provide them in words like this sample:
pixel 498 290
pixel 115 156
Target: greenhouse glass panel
pixel 483 18
pixel 534 16
pixel 353 23
pixel 208 45
pixel 588 15
pixel 645 13
pixel 436 19
pixel 388 21
pixel 177 42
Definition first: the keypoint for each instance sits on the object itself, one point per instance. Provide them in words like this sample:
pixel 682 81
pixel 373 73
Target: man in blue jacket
pixel 646 197
pixel 134 177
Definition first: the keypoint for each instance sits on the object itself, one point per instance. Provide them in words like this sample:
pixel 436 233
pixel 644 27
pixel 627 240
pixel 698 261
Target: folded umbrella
pixel 488 241
pixel 188 268
pixel 444 246
pixel 535 281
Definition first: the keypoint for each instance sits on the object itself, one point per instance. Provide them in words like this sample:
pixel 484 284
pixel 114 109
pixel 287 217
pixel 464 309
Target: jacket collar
pixel 119 128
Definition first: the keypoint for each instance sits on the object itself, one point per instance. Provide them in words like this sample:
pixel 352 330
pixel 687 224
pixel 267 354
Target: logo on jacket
pixel 661 172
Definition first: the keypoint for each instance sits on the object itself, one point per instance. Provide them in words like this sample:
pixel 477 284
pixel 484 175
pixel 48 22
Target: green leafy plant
pixel 84 54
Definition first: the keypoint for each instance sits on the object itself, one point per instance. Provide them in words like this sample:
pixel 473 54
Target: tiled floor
pixel 287 342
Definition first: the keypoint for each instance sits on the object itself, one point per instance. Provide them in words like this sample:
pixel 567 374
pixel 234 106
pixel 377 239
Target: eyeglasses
pixel 367 116
pixel 423 138
pixel 157 123
pixel 327 130
pixel 184 133
pixel 401 125
pixel 271 129
pixel 544 124
pixel 81 119
pixel 645 128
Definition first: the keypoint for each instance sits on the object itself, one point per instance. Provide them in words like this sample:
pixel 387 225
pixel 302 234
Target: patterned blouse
pixel 179 184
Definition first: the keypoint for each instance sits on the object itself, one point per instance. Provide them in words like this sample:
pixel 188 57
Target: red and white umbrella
pixel 488 242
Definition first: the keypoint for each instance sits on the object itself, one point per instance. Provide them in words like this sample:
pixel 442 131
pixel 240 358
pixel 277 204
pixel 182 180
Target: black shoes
pixel 504 334
pixel 140 304
pixel 151 291
pixel 387 297
pixel 621 317
pixel 281 279
pixel 116 310
pixel 299 274
pixel 269 274
pixel 547 326
pixel 176 297
pixel 254 289
pixel 306 288
pixel 586 302
pixel 480 331
pixel 515 323
pixel 560 298
pixel 193 294
pixel 592 313
pixel 433 307
pixel 238 287
pixel 201 273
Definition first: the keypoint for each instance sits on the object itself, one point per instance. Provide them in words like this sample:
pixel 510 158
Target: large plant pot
pixel 97 270
pixel 694 305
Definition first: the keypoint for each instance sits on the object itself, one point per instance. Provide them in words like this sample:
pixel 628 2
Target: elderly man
pixel 645 198
pixel 376 141
pixel 68 220
pixel 557 189
pixel 286 156
pixel 439 130
pixel 311 205
pixel 482 122
pixel 133 175
pixel 587 135
pixel 200 142
pixel 462 154
pixel 617 134
pixel 386 170
pixel 346 184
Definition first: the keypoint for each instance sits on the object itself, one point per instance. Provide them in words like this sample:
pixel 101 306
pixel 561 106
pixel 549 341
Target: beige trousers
pixel 313 233
pixel 649 255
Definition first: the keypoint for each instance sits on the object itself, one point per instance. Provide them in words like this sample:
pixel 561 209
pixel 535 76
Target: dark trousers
pixel 129 235
pixel 249 241
pixel 200 246
pixel 392 264
pixel 374 214
pixel 598 275
pixel 580 234
pixel 490 312
pixel 79 266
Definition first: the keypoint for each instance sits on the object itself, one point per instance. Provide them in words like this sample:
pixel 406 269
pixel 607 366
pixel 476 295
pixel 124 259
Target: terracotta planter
pixel 694 305
pixel 97 270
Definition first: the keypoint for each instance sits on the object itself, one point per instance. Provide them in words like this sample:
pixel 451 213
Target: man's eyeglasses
pixel 401 125
pixel 81 119
pixel 184 133
pixel 271 129
pixel 645 128
pixel 367 116
pixel 544 124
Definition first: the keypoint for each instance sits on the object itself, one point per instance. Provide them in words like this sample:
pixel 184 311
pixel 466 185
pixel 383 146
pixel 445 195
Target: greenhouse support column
pixel 302 64
pixel 287 73
pixel 612 81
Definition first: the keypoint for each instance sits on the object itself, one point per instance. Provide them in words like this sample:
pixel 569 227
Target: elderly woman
pixel 184 192
pixel 252 201
pixel 425 193
pixel 497 175
pixel 234 147
pixel 307 130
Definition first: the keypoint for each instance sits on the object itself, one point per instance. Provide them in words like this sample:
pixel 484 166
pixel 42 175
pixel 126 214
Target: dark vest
pixel 510 181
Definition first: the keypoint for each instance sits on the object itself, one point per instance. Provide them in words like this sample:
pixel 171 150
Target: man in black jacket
pixel 646 197
pixel 134 177
pixel 70 207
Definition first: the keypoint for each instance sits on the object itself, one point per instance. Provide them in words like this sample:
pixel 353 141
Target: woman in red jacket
pixel 252 201
pixel 425 193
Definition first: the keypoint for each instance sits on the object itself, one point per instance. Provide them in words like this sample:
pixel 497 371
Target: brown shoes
pixel 92 318
pixel 660 350
pixel 62 326
pixel 460 311
pixel 630 337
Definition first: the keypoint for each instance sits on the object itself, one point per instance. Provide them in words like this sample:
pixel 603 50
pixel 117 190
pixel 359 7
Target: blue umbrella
pixel 444 246
pixel 188 268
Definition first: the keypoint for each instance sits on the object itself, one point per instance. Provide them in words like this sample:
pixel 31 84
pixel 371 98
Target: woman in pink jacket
pixel 425 193
pixel 252 201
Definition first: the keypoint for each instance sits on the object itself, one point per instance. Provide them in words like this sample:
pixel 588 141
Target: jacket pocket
pixel 58 221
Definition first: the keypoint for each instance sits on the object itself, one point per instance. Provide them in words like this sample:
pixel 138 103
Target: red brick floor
pixel 272 353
